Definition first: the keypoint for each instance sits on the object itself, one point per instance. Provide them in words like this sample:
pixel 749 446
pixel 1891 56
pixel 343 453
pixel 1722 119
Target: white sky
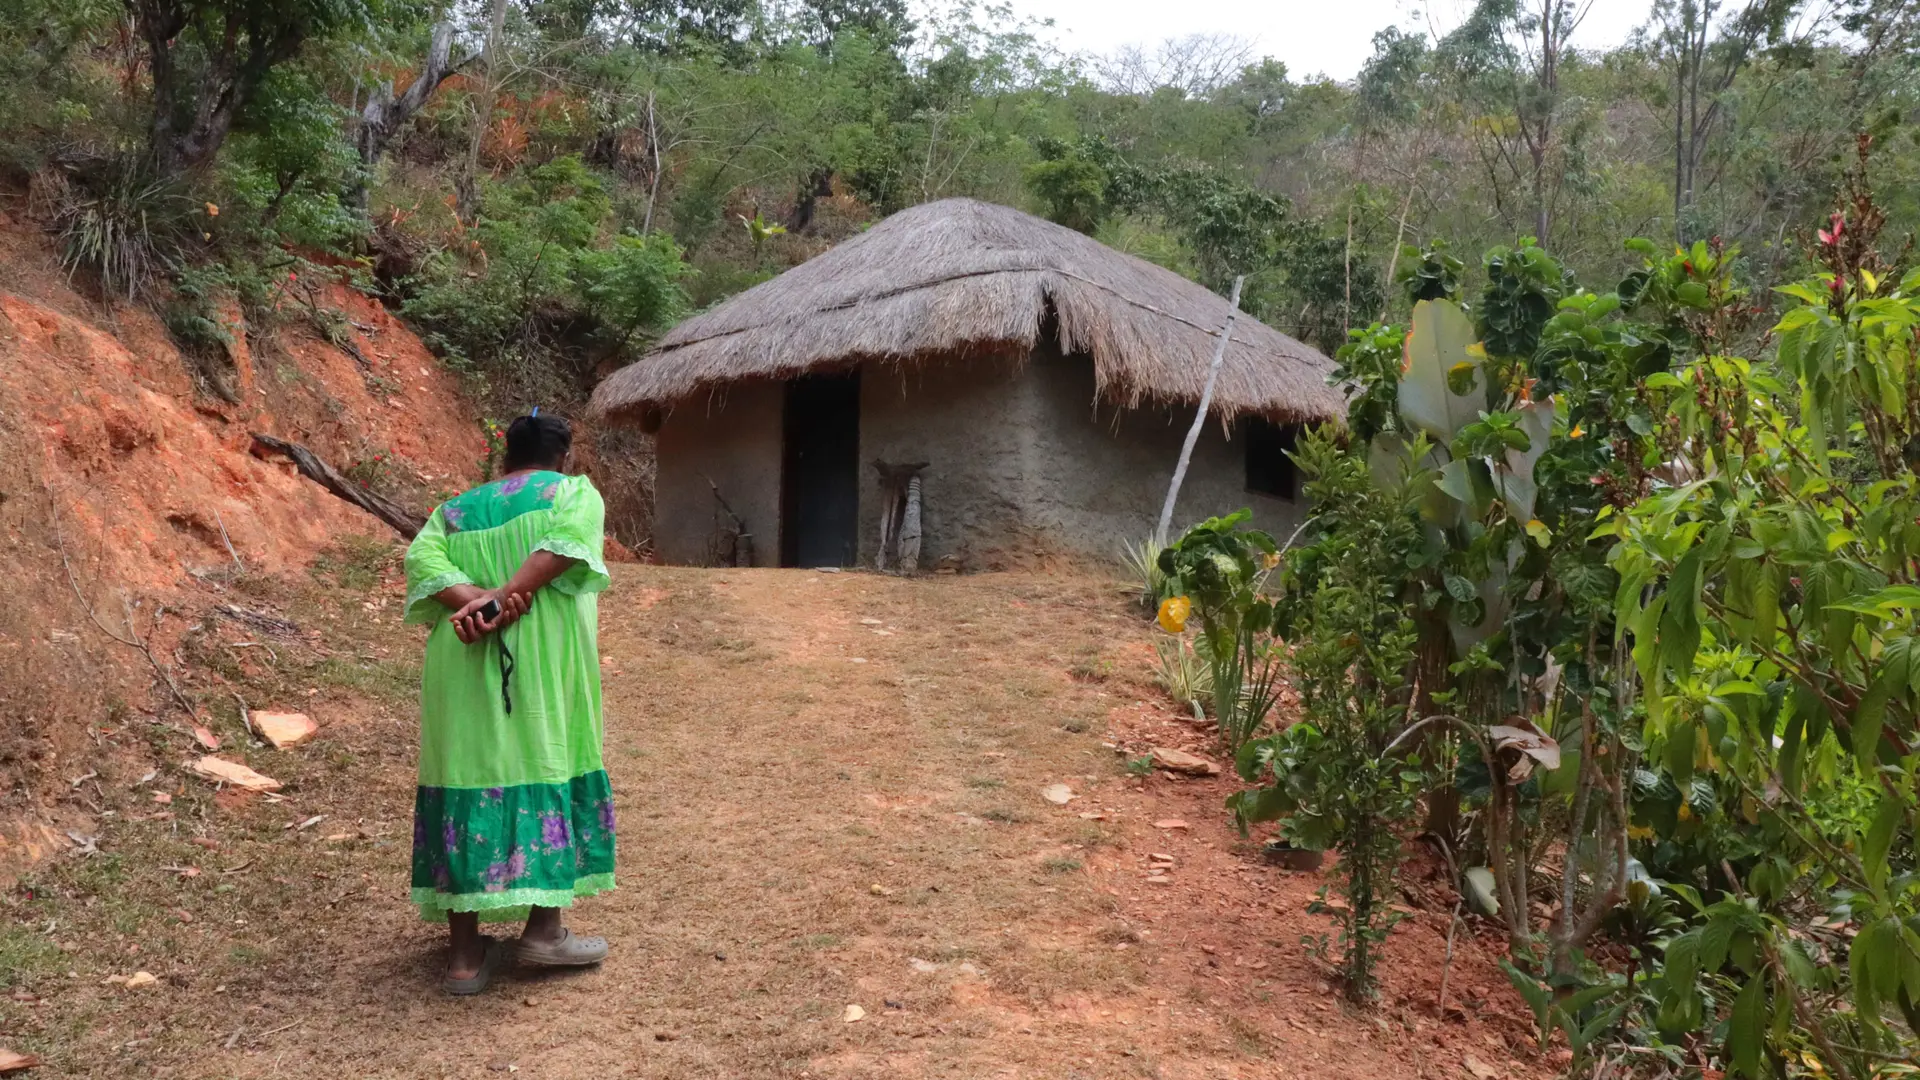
pixel 1331 37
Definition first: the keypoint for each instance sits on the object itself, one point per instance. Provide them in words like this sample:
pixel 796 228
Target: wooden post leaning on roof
pixel 1200 415
pixel 402 520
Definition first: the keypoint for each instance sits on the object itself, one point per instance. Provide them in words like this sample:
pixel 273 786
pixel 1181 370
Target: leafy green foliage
pixel 1220 568
pixel 119 228
pixel 535 276
pixel 1332 777
pixel 1771 600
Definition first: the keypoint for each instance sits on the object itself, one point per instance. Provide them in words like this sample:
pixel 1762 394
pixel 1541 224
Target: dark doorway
pixel 820 477
pixel 1270 468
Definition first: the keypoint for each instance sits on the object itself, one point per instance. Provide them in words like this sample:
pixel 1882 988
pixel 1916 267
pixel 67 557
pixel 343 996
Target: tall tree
pixel 1706 44
pixel 1508 56
pixel 385 113
pixel 208 58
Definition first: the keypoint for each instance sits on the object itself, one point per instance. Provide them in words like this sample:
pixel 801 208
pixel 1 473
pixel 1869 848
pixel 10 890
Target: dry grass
pixel 959 278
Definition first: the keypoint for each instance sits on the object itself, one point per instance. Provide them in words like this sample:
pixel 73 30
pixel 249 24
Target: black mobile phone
pixel 489 611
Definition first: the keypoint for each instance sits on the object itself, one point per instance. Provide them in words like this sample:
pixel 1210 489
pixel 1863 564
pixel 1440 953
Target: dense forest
pixel 542 186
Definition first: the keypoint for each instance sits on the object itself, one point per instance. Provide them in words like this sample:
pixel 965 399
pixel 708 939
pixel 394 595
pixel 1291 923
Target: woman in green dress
pixel 514 815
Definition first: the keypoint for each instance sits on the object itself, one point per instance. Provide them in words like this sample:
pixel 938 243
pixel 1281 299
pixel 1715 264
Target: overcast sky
pixel 1331 37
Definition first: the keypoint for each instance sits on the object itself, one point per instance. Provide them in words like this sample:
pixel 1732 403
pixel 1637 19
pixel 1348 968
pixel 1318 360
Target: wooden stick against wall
pixel 1200 416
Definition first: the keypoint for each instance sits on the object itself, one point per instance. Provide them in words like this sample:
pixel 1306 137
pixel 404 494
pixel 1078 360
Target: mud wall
pixel 733 438
pixel 1025 462
pixel 1101 473
pixel 971 423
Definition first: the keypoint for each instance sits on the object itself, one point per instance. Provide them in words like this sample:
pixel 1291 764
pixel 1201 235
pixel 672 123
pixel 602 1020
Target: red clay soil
pixel 123 481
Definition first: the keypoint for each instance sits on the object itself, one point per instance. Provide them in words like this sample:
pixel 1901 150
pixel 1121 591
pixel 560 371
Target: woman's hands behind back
pixel 471 627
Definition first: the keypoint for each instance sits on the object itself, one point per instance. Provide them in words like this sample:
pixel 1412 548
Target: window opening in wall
pixel 1270 471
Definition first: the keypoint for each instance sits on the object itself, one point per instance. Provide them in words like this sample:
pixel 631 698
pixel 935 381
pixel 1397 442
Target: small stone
pixel 924 967
pixel 878 889
pixel 1171 823
pixel 854 1014
pixel 892 1004
pixel 872 622
pixel 141 979
pixel 1180 761
pixel 284 729
pixel 1057 794
pixel 528 1002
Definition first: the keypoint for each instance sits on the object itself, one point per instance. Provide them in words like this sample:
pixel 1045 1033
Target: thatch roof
pixel 959 278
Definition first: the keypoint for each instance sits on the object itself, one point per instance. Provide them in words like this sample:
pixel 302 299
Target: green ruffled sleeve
pixel 579 518
pixel 430 570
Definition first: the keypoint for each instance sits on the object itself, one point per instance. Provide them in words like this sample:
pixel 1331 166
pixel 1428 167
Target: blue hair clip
pixel 535 412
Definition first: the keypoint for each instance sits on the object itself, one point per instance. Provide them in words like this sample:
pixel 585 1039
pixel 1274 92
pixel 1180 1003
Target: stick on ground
pixel 403 521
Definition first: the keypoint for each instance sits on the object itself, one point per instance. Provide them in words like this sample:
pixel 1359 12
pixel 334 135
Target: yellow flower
pixel 1639 832
pixel 1173 613
pixel 1270 560
pixel 1578 430
pixel 1686 812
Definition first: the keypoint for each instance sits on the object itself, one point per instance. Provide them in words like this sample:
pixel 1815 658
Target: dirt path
pixel 829 795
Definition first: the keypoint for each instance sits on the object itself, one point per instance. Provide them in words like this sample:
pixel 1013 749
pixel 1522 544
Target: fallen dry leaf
pixel 1480 1069
pixel 220 770
pixel 11 1062
pixel 205 737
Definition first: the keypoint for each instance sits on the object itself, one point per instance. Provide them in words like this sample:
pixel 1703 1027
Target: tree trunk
pixel 399 518
pixel 385 114
pixel 819 185
pixel 466 190
pixel 1200 413
pixel 218 93
pixel 653 182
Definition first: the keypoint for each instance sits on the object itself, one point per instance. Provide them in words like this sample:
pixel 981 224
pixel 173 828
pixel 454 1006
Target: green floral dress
pixel 513 808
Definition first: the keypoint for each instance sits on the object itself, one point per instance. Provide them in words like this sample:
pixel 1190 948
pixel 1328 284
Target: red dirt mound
pixel 124 480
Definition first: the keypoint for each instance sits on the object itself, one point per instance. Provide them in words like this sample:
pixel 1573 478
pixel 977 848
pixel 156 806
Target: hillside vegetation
pixel 543 186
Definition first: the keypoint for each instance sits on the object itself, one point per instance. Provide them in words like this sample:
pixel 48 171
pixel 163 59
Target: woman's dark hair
pixel 536 442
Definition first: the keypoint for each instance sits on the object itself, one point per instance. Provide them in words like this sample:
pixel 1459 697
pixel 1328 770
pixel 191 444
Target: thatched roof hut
pixel 1040 382
pixel 959 278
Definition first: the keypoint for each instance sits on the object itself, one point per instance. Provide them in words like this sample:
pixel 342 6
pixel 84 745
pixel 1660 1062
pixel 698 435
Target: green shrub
pixel 119 227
